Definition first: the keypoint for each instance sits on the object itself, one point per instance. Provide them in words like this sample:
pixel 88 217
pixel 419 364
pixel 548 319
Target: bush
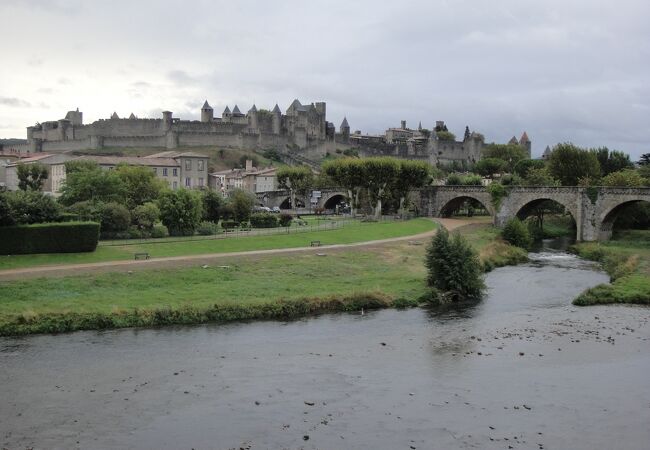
pixel 454 269
pixel 516 233
pixel 145 216
pixel 180 211
pixel 6 217
pixel 229 224
pixel 87 210
pixel 242 202
pixel 206 229
pixel 115 218
pixel 68 237
pixel 212 205
pixel 159 231
pixel 135 233
pixel 454 180
pixel 32 207
pixel 472 180
pixel 285 220
pixel 263 220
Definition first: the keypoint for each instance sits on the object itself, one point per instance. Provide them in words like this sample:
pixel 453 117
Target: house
pixel 55 165
pixel 250 179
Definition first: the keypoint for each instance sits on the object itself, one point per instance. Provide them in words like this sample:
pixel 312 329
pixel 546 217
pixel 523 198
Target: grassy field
pixel 626 258
pixel 248 288
pixel 354 233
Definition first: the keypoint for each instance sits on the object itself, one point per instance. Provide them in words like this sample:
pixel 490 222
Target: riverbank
pixel 240 288
pixel 626 259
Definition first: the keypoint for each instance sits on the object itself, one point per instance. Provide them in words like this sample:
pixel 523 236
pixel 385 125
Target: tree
pixel 510 153
pixel 454 269
pixel 242 203
pixel 380 174
pixel 140 184
pixel 488 167
pixel 611 161
pixel 32 207
pixel 78 165
pixel 212 204
pixel 145 216
pixel 516 233
pixel 6 217
pixel 297 180
pixel 349 174
pixel 644 160
pixel 411 175
pixel 626 177
pixel 445 135
pixel 180 211
pixel 115 218
pixel 539 177
pixel 92 183
pixel 568 164
pixel 523 166
pixel 31 176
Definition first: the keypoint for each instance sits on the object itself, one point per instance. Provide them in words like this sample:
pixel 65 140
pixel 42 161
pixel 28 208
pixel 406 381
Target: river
pixel 522 369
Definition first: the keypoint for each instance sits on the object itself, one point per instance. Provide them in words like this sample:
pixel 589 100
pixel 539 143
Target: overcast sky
pixel 563 70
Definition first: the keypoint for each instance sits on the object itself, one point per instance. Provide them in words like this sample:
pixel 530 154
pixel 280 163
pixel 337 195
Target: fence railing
pixel 235 233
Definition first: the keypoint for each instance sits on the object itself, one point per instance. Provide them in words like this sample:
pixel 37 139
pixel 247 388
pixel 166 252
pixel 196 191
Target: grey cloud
pixel 14 102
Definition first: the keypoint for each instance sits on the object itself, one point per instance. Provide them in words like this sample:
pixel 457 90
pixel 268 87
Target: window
pixel 175 171
pixel 155 170
pixel 200 181
pixel 188 182
pixel 188 164
pixel 164 171
pixel 201 165
pixel 175 184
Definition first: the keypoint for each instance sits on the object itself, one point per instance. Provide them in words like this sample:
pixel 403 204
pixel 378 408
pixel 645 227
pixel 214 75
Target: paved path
pixel 191 260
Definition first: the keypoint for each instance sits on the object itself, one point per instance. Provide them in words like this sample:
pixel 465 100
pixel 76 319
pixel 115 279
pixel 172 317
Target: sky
pixel 562 70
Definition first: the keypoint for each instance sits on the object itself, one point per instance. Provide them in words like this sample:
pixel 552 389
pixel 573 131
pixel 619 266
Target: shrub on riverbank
pixel 633 288
pixel 516 233
pixel 499 254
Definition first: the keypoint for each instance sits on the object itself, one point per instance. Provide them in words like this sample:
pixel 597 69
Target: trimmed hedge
pixel 263 220
pixel 66 237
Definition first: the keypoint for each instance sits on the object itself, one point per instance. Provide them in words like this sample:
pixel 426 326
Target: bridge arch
pixel 333 200
pixel 609 215
pixel 532 207
pixel 454 203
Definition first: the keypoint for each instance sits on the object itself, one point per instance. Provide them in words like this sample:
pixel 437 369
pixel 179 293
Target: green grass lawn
pixel 354 233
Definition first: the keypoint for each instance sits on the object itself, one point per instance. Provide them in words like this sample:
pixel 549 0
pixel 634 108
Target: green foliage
pixel 79 165
pixel 509 179
pixel 348 173
pixel 525 165
pixel 180 211
pixel 31 206
pixel 115 218
pixel 611 161
pixel 624 178
pixel 87 210
pixel 497 193
pixel 644 160
pixel 272 154
pixel 145 216
pixel 569 164
pixel 242 203
pixel 488 167
pixel 539 177
pixel 31 176
pixel 516 233
pixel 159 231
pixel 453 179
pixel 285 220
pixel 445 135
pixel 353 152
pixel 206 228
pixel 67 237
pixel 229 224
pixel 471 180
pixel 94 184
pixel 410 175
pixel 6 216
pixel 510 153
pixel 297 180
pixel 213 203
pixel 263 220
pixel 454 269
pixel 592 192
pixel 140 184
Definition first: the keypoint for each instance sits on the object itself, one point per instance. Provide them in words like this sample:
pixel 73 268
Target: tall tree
pixel 510 153
pixel 380 174
pixel 488 167
pixel 297 180
pixel 140 184
pixel 411 175
pixel 349 174
pixel 611 161
pixel 644 160
pixel 94 184
pixel 570 164
pixel 180 211
pixel 31 176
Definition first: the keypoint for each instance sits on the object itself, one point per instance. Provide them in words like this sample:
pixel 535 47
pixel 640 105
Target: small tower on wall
pixel 207 113
pixel 345 129
pixel 525 143
pixel 252 118
pixel 277 119
pixel 467 133
pixel 226 115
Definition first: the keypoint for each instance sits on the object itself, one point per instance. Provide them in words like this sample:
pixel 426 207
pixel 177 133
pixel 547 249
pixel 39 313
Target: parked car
pixel 275 209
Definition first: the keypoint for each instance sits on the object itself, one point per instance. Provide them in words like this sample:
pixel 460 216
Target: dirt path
pixel 64 270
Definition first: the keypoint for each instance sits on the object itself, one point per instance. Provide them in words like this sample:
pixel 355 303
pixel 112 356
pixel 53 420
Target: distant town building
pixel 250 178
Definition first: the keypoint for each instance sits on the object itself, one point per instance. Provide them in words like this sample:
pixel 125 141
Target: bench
pixel 141 255
pixel 315 244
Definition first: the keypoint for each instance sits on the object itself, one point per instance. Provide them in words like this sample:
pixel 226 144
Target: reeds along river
pixel 521 369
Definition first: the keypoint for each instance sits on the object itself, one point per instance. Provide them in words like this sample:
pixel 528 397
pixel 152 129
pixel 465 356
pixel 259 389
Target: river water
pixel 522 369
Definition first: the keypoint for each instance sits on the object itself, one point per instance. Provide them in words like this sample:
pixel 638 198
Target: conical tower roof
pixel 132 116
pixel 114 115
pixel 236 110
pixel 513 140
pixel 227 110
pixel 253 109
pixel 345 124
pixel 524 138
pixel 276 109
pixel 206 105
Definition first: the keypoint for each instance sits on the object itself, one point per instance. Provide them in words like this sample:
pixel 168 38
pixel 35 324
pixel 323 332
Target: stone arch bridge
pixel 593 209
pixel 328 199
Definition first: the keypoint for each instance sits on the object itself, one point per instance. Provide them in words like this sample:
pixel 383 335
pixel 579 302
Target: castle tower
pixel 277 119
pixel 114 115
pixel 207 113
pixel 226 115
pixel 525 143
pixel 252 118
pixel 403 125
pixel 167 120
pixel 513 141
pixel 345 128
pixel 467 133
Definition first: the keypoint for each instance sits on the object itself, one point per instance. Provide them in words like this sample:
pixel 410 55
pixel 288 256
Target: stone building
pixel 300 127
pixel 55 165
pixel 250 178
